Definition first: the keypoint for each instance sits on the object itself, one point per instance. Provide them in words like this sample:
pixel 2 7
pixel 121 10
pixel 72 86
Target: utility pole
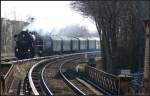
pixel 146 78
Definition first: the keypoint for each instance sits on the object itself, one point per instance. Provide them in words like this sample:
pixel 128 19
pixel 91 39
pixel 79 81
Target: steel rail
pixel 47 89
pixel 69 82
pixel 30 75
pixel 30 78
pixel 42 75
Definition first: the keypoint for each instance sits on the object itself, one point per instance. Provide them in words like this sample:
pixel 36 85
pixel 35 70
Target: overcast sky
pixel 57 12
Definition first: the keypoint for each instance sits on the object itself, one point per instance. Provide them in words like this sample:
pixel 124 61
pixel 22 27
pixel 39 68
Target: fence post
pixel 124 84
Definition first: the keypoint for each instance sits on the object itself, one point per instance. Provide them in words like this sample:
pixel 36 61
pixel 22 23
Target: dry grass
pixel 21 70
pixel 7 55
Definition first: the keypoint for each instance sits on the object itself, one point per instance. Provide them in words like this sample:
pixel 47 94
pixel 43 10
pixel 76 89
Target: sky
pixel 58 13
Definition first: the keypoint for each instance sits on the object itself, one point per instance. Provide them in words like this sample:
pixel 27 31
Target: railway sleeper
pixel 35 78
pixel 36 82
pixel 35 72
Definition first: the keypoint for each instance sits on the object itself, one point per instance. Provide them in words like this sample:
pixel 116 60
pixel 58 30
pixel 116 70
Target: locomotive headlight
pixel 17 50
pixel 28 50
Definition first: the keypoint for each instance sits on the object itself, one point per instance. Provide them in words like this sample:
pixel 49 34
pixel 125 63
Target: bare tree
pixel 120 27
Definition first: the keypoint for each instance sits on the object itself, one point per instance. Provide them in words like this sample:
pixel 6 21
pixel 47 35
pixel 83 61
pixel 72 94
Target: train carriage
pixel 91 44
pixel 56 44
pixel 75 44
pixel 66 44
pixel 83 44
pixel 97 43
pixel 47 45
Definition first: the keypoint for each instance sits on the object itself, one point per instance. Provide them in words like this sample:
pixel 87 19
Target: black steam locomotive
pixel 31 44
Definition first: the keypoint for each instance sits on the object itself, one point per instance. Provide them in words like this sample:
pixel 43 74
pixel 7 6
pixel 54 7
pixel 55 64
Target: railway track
pixel 36 77
pixel 72 78
pixel 17 81
pixel 45 79
pixel 46 76
pixel 13 80
pixel 53 81
pixel 50 82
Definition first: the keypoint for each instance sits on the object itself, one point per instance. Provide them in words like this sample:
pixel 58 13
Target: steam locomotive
pixel 31 44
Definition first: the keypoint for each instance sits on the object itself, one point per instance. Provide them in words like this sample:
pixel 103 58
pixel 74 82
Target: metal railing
pixel 108 83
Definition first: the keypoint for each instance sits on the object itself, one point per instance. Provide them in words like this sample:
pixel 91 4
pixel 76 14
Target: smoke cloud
pixel 51 27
